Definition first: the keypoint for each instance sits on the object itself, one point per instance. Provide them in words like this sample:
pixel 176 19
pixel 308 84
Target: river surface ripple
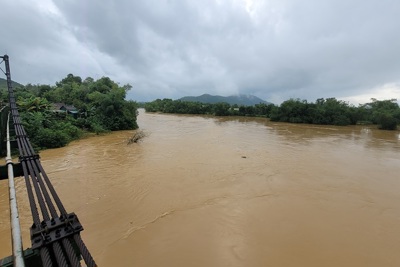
pixel 205 191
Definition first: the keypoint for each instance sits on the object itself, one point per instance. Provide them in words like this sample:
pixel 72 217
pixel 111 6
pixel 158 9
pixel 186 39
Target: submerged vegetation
pixel 330 111
pixel 136 137
pixel 55 115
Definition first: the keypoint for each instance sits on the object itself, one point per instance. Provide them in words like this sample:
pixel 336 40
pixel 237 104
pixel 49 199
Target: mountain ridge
pixel 241 99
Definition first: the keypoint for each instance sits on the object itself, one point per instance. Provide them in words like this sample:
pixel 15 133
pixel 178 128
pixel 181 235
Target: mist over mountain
pixel 245 100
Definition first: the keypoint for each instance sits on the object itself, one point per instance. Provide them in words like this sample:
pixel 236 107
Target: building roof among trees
pixel 62 106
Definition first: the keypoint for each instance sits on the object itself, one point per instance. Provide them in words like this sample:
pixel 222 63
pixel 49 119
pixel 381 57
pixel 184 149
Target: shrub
pixel 48 138
pixel 387 121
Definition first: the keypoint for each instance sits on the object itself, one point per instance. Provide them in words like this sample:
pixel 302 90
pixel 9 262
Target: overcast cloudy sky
pixel 274 49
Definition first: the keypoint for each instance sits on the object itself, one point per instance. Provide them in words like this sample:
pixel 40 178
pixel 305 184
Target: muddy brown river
pixel 204 191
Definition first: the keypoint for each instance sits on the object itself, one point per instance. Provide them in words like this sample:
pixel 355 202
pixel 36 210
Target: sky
pixel 274 49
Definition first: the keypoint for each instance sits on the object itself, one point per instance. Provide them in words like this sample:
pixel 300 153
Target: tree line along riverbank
pixel 53 116
pixel 330 111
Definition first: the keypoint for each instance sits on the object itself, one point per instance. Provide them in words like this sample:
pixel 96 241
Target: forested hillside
pixel 3 84
pixel 3 87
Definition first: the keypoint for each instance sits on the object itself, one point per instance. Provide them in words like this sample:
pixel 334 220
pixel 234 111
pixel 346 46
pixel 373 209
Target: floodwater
pixel 204 191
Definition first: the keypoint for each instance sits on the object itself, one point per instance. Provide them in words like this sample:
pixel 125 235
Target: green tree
pixel 385 113
pixel 386 120
pixel 221 109
pixel 101 103
pixel 34 104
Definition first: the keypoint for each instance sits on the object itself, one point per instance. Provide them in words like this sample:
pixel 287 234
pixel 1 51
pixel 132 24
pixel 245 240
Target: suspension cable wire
pixel 45 255
pixel 85 252
pixel 52 190
pixel 41 191
pixel 70 252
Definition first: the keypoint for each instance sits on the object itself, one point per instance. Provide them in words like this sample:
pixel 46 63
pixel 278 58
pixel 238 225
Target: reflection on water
pixel 203 191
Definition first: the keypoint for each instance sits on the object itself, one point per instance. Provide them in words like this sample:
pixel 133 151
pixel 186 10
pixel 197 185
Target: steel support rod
pixel 18 252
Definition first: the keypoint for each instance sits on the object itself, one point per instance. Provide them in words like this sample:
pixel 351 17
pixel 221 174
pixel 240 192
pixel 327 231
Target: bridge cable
pixel 41 191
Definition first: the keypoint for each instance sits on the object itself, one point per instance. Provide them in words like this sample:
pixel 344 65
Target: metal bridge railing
pixel 55 233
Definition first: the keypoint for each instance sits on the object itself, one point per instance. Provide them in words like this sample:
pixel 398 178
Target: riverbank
pixel 330 111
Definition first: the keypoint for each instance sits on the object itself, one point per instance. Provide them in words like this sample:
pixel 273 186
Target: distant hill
pixel 3 84
pixel 245 100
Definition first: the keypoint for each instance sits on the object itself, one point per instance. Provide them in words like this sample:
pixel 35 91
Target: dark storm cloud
pixel 166 48
pixel 40 45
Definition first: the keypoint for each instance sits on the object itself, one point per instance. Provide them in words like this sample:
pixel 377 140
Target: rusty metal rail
pixel 55 232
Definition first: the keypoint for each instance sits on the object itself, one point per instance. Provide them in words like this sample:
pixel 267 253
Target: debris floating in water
pixel 138 135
